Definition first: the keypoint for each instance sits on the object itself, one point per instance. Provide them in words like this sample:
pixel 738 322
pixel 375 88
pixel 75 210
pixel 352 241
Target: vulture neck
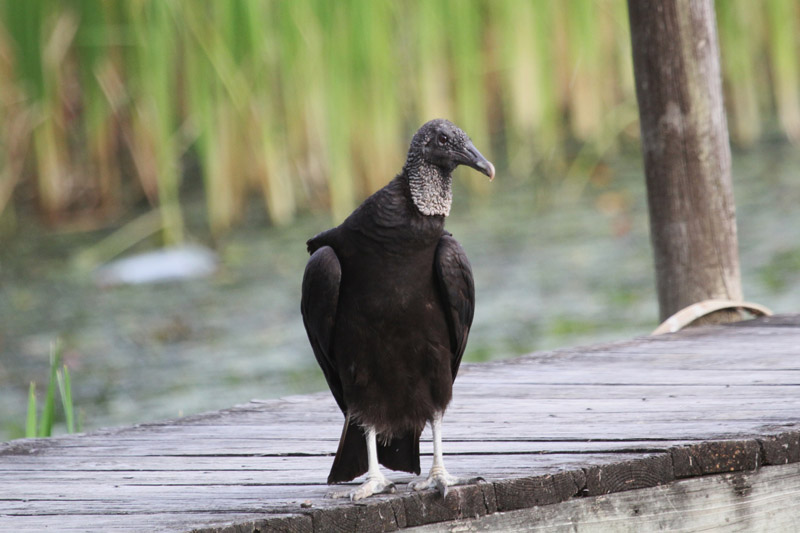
pixel 430 187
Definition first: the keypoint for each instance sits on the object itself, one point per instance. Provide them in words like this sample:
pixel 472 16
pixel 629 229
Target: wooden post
pixel 686 151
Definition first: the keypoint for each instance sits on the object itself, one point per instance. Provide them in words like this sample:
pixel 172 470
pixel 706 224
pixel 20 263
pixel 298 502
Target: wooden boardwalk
pixel 562 426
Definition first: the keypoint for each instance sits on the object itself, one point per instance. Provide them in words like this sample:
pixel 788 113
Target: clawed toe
pixel 441 479
pixel 370 487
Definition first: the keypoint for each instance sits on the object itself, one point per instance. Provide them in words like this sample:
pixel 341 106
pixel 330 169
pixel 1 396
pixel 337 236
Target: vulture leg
pixel 376 482
pixel 438 476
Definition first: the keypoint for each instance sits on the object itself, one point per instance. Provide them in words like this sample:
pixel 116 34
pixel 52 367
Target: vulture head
pixel 446 146
pixel 437 148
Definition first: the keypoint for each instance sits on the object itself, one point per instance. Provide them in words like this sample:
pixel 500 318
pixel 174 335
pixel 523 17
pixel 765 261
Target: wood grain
pixel 546 430
pixel 687 157
pixel 743 502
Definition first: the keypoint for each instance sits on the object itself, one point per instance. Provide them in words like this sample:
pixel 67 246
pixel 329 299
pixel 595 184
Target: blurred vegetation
pixel 106 106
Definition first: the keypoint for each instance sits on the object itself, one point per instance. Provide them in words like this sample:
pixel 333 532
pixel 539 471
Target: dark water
pixel 565 265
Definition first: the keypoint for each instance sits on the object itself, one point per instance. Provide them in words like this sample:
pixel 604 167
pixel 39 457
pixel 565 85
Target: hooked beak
pixel 473 158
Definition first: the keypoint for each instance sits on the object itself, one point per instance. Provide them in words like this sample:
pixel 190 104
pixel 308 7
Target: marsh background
pixel 249 126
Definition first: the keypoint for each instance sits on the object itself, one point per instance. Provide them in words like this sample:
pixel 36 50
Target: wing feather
pixel 318 305
pixel 457 293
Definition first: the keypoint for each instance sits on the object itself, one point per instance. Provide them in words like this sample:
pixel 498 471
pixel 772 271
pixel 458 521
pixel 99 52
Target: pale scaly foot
pixel 373 485
pixel 376 482
pixel 441 479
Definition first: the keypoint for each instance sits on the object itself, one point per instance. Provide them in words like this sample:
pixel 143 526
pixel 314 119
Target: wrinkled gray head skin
pixel 437 148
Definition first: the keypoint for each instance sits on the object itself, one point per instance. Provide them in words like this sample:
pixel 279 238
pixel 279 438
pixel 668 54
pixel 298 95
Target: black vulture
pixel 388 300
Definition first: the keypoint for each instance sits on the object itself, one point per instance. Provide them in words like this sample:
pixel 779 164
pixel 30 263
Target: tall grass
pixel 739 40
pixel 310 103
pixel 42 425
pixel 782 42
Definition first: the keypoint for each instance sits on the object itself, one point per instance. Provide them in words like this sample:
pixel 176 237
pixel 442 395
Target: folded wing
pixel 318 305
pixel 457 293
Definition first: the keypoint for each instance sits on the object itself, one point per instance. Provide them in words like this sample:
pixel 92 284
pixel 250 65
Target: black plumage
pixel 388 300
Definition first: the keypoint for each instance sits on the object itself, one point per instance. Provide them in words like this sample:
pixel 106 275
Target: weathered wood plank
pixel 301 472
pixel 167 522
pixel 764 500
pixel 107 460
pixel 539 490
pixel 541 429
pixel 630 474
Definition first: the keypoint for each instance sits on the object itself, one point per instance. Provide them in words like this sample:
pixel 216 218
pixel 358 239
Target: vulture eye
pixel 442 139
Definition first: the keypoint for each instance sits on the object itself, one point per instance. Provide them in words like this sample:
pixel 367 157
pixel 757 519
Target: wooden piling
pixel 686 150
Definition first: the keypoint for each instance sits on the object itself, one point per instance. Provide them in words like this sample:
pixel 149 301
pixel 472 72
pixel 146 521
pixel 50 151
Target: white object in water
pixel 168 264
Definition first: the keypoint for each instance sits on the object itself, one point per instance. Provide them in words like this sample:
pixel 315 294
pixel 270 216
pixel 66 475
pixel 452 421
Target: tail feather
pixel 401 453
pixel 351 457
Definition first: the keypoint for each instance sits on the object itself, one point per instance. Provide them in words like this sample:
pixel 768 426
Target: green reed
pixel 42 425
pixel 309 104
pixel 782 31
pixel 739 39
